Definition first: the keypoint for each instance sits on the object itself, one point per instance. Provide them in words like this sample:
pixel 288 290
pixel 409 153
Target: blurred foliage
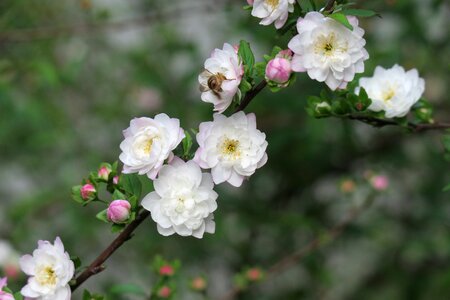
pixel 69 83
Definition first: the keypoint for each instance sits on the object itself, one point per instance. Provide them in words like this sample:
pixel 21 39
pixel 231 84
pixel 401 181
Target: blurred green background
pixel 68 88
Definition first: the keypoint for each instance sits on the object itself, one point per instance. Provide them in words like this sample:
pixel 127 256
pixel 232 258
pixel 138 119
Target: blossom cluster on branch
pixel 328 46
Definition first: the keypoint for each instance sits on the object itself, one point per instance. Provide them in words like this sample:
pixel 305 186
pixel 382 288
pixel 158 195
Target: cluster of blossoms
pixel 230 147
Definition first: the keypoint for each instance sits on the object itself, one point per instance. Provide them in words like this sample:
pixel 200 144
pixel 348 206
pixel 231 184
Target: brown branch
pixel 378 122
pixel 293 258
pixel 329 6
pixel 250 95
pixel 97 265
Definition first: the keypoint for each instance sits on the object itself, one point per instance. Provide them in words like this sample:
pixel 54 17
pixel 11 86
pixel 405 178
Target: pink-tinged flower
pixel 183 201
pixel 250 2
pixel 273 11
pixel 287 53
pixel 232 147
pixel 50 270
pixel 148 143
pixel 379 182
pixel 254 274
pixel 116 180
pixel 278 70
pixel 4 295
pixel 164 292
pixel 166 270
pixel 327 50
pixel 119 211
pixel 88 191
pixel 198 284
pixel 220 80
pixel 103 173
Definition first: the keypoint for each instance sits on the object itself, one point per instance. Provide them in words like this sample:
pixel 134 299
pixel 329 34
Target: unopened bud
pixel 278 70
pixel 119 211
pixel 88 192
pixel 116 180
pixel 250 2
pixel 166 270
pixel 379 182
pixel 103 173
pixel 164 292
pixel 254 274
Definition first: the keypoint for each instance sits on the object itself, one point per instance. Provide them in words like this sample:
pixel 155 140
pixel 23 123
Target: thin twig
pixel 250 95
pixel 377 122
pixel 293 258
pixel 329 5
pixel 97 265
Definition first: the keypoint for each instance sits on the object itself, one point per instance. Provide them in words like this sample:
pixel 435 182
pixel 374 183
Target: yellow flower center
pixel 328 45
pixel 388 94
pixel 272 3
pixel 230 148
pixel 46 276
pixel 148 146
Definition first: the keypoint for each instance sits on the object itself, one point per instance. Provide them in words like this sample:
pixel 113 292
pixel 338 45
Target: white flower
pixel 393 90
pixel 148 143
pixel 50 270
pixel 232 147
pixel 220 80
pixel 271 11
pixel 327 50
pixel 183 201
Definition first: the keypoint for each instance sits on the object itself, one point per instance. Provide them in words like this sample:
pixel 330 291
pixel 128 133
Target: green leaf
pixel 187 144
pixel 248 7
pixel 121 289
pixel 363 13
pixel 307 5
pixel 245 86
pixel 76 261
pixel 246 54
pixel 131 184
pixel 18 296
pixel 341 18
pixel 260 69
pixel 446 142
pixel 102 216
pixel 76 194
pixel 118 195
pixel 117 227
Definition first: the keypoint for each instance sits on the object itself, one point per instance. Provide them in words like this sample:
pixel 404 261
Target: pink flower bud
pixel 278 70
pixel 88 191
pixel 250 2
pixel 103 173
pixel 166 270
pixel 164 292
pixel 119 211
pixel 116 180
pixel 285 54
pixel 379 182
pixel 254 274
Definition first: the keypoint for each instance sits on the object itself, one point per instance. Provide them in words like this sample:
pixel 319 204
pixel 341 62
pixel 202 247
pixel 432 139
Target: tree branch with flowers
pixel 327 45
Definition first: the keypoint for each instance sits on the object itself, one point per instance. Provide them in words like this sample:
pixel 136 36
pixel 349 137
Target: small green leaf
pixel 260 68
pixel 102 216
pixel 245 86
pixel 446 189
pixel 131 184
pixel 117 227
pixel 76 194
pixel 187 144
pixel 18 296
pixel 118 195
pixel 341 18
pixel 248 59
pixel 76 261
